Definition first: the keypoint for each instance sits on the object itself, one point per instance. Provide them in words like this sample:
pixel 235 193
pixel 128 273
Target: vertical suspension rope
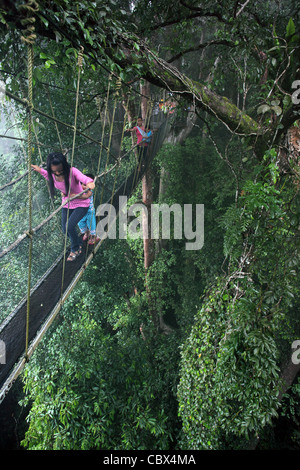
pixel 79 63
pixel 118 87
pixel 101 146
pixel 124 123
pixel 139 151
pixel 30 68
pixel 55 123
pixel 28 37
pixel 108 147
pixel 103 126
pixel 41 162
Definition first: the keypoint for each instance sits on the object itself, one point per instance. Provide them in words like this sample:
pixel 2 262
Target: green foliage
pixel 291 412
pixel 105 377
pixel 229 376
pixel 230 363
pixel 101 390
pixel 194 174
pixel 130 372
pixel 263 226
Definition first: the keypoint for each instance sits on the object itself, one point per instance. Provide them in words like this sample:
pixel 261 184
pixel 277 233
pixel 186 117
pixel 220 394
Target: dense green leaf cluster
pixel 213 381
pixel 103 387
pixel 190 357
pixel 230 374
pixel 112 379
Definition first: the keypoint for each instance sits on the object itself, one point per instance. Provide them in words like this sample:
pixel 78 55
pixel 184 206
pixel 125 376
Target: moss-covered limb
pixel 151 67
pixel 227 112
pixel 154 69
pixel 162 74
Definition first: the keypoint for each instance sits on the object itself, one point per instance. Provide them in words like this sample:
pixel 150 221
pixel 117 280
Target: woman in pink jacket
pixel 68 181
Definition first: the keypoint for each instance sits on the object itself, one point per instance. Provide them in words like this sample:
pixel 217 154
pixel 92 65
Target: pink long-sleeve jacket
pixel 75 188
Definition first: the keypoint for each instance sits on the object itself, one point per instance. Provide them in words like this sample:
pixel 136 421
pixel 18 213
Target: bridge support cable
pixel 24 328
pixel 46 299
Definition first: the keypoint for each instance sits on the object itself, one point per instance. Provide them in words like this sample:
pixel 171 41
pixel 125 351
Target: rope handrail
pixel 39 333
pixel 24 102
pixel 11 137
pixel 29 37
pixel 79 65
pixel 14 181
pixel 66 150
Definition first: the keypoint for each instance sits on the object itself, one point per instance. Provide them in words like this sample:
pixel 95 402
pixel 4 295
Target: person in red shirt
pixel 141 141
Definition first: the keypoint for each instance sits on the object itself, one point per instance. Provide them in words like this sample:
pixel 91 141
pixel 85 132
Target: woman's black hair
pixel 90 175
pixel 57 158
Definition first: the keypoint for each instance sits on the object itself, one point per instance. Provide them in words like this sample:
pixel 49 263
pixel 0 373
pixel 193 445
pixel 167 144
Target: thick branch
pixel 155 70
pixel 201 12
pixel 218 42
pixel 162 74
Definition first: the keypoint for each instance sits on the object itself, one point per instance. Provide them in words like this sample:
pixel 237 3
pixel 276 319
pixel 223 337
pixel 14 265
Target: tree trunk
pixel 147 201
pixel 147 189
pixel 289 373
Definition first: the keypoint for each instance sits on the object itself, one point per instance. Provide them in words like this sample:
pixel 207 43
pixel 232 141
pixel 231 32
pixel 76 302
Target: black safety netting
pixel 120 172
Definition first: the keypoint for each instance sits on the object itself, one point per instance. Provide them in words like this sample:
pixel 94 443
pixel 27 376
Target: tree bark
pixel 147 188
pixel 289 373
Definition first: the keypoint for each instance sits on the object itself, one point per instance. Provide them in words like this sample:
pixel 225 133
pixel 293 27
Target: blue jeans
pixel 75 215
pixel 88 223
pixel 142 153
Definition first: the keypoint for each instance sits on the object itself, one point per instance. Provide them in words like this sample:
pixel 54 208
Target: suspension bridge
pixel 23 328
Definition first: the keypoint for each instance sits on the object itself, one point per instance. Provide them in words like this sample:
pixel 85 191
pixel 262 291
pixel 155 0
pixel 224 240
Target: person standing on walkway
pixel 68 180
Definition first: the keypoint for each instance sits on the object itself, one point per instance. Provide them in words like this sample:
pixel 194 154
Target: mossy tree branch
pixel 152 68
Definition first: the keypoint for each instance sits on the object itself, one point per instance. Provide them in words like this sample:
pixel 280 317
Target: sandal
pixel 93 240
pixel 73 256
